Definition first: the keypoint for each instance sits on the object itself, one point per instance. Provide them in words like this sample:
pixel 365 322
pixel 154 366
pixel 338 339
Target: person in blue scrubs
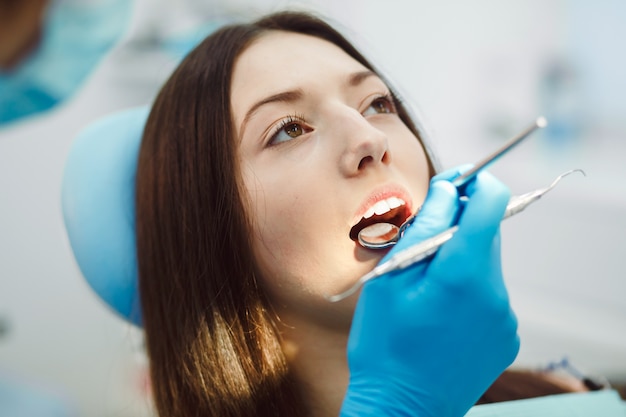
pixel 49 47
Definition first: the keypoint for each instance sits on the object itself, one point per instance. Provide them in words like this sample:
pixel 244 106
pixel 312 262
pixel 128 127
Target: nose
pixel 363 145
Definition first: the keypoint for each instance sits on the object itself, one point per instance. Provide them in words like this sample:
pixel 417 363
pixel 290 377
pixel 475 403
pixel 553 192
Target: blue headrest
pixel 98 198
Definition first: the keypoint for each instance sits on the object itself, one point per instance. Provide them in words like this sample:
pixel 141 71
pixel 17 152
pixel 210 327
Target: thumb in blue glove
pixel 430 339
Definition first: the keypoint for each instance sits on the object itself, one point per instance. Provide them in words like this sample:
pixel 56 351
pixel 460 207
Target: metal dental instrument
pixel 384 235
pixel 425 249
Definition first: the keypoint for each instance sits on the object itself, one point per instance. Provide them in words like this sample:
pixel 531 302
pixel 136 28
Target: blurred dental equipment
pixel 425 249
pixel 383 235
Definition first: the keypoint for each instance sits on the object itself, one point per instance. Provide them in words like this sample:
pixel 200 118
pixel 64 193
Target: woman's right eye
pixel 288 129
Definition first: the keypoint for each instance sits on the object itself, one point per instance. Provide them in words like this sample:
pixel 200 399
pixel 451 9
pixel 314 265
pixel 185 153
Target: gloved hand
pixel 430 339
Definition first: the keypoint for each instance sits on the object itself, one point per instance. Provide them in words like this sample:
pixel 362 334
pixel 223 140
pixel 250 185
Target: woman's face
pixel 321 146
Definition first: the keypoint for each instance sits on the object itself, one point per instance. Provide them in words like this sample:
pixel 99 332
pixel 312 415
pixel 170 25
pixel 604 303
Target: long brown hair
pixel 212 342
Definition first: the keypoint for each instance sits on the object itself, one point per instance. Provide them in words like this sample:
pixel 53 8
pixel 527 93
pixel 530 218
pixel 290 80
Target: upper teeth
pixel 383 206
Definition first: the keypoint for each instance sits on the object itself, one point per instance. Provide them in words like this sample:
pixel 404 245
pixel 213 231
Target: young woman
pixel 265 153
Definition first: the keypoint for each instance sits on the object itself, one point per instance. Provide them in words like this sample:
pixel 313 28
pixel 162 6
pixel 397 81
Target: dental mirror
pixel 384 235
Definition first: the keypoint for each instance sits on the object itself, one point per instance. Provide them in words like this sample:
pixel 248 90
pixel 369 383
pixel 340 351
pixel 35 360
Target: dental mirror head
pixel 384 235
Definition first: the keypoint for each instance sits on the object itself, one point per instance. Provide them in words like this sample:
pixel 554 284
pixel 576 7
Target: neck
pixel 317 359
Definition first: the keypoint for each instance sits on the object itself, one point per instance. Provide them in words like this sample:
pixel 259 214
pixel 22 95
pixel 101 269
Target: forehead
pixel 280 61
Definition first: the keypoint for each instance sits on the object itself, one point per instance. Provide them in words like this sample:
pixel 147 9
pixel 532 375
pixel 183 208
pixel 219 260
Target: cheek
pixel 301 250
pixel 273 204
pixel 409 155
pixel 279 252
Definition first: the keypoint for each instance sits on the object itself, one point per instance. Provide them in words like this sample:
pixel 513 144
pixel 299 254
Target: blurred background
pixel 475 72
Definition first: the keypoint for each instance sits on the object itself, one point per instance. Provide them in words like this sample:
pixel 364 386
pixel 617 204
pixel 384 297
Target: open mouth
pixel 392 210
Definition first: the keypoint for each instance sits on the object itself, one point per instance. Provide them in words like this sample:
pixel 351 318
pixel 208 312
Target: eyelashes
pixel 288 128
pixel 293 126
pixel 382 104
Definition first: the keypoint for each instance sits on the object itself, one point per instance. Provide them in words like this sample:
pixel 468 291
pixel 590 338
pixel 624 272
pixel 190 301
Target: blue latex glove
pixel 429 340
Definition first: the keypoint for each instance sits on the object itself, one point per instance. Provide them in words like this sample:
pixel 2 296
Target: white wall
pixel 475 71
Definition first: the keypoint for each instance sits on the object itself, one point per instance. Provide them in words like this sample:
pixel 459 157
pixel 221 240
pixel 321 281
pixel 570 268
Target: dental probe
pixel 541 122
pixel 370 240
pixel 425 249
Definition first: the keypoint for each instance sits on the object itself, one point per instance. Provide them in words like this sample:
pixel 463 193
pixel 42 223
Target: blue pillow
pixel 98 198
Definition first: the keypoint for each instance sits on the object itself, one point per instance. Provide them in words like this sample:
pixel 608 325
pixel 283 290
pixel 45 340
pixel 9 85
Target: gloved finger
pixel 480 220
pixel 498 286
pixel 452 173
pixel 437 214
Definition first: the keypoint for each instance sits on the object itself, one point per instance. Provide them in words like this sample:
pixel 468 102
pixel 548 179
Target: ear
pixel 98 199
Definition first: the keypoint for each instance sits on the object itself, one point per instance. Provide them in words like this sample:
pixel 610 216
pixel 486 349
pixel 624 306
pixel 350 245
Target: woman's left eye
pixel 380 105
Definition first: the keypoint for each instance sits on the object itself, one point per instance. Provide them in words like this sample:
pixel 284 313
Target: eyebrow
pixel 284 97
pixel 358 77
pixel 291 96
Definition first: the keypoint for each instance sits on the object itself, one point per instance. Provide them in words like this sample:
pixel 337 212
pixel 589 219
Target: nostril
pixel 365 161
pixel 386 158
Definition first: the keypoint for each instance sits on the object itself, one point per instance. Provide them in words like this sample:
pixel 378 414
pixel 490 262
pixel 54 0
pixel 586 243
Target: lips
pixel 389 205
